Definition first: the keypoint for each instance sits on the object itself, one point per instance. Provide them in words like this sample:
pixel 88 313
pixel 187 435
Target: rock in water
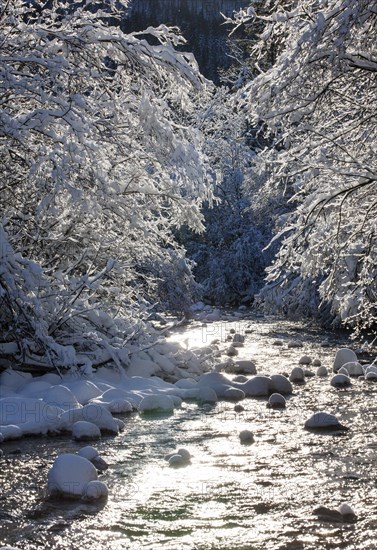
pixel 323 420
pixel 246 437
pixel 343 514
pixel 327 514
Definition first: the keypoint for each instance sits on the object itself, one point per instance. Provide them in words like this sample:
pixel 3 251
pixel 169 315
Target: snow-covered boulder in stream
pixel 276 401
pixel 297 375
pixel 217 381
pixel 343 356
pixel 91 454
pixel 73 476
pixel 84 390
pixel 281 384
pixel 323 420
pixel 353 368
pixel 181 457
pixel 85 431
pixel 156 404
pixel 340 381
pixel 258 386
pixel 93 412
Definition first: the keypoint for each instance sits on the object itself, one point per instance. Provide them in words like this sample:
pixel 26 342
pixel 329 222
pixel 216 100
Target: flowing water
pixel 231 496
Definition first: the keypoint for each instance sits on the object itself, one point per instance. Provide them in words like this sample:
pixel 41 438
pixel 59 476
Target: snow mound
pixel 94 413
pixel 84 390
pixel 245 367
pixel 31 415
pixel 34 388
pixel 91 454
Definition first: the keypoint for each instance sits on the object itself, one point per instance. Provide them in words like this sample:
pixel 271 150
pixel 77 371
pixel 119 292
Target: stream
pixel 231 496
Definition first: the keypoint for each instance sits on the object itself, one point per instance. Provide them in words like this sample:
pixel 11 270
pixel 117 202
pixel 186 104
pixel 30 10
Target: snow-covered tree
pixel 97 169
pixel 317 106
pixel 229 256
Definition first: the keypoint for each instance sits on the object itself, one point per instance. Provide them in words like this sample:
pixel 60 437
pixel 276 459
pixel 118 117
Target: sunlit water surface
pixel 231 496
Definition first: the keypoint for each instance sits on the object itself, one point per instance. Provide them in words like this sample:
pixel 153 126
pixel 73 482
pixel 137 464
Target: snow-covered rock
pixel 181 457
pixel 245 367
pixel 322 420
pixel 14 379
pixel 277 401
pixel 32 415
pixel 61 396
pixel 10 431
pixel 297 375
pixel 258 386
pixel 340 381
pixel 84 390
pixel 353 369
pixel 322 371
pixel 343 356
pixel 93 412
pixel 281 384
pixel 34 388
pixel 370 372
pixel 206 395
pixel 85 431
pixel 233 394
pixel 69 476
pixel 91 454
pixel 95 490
pixel 156 403
pixel 186 383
